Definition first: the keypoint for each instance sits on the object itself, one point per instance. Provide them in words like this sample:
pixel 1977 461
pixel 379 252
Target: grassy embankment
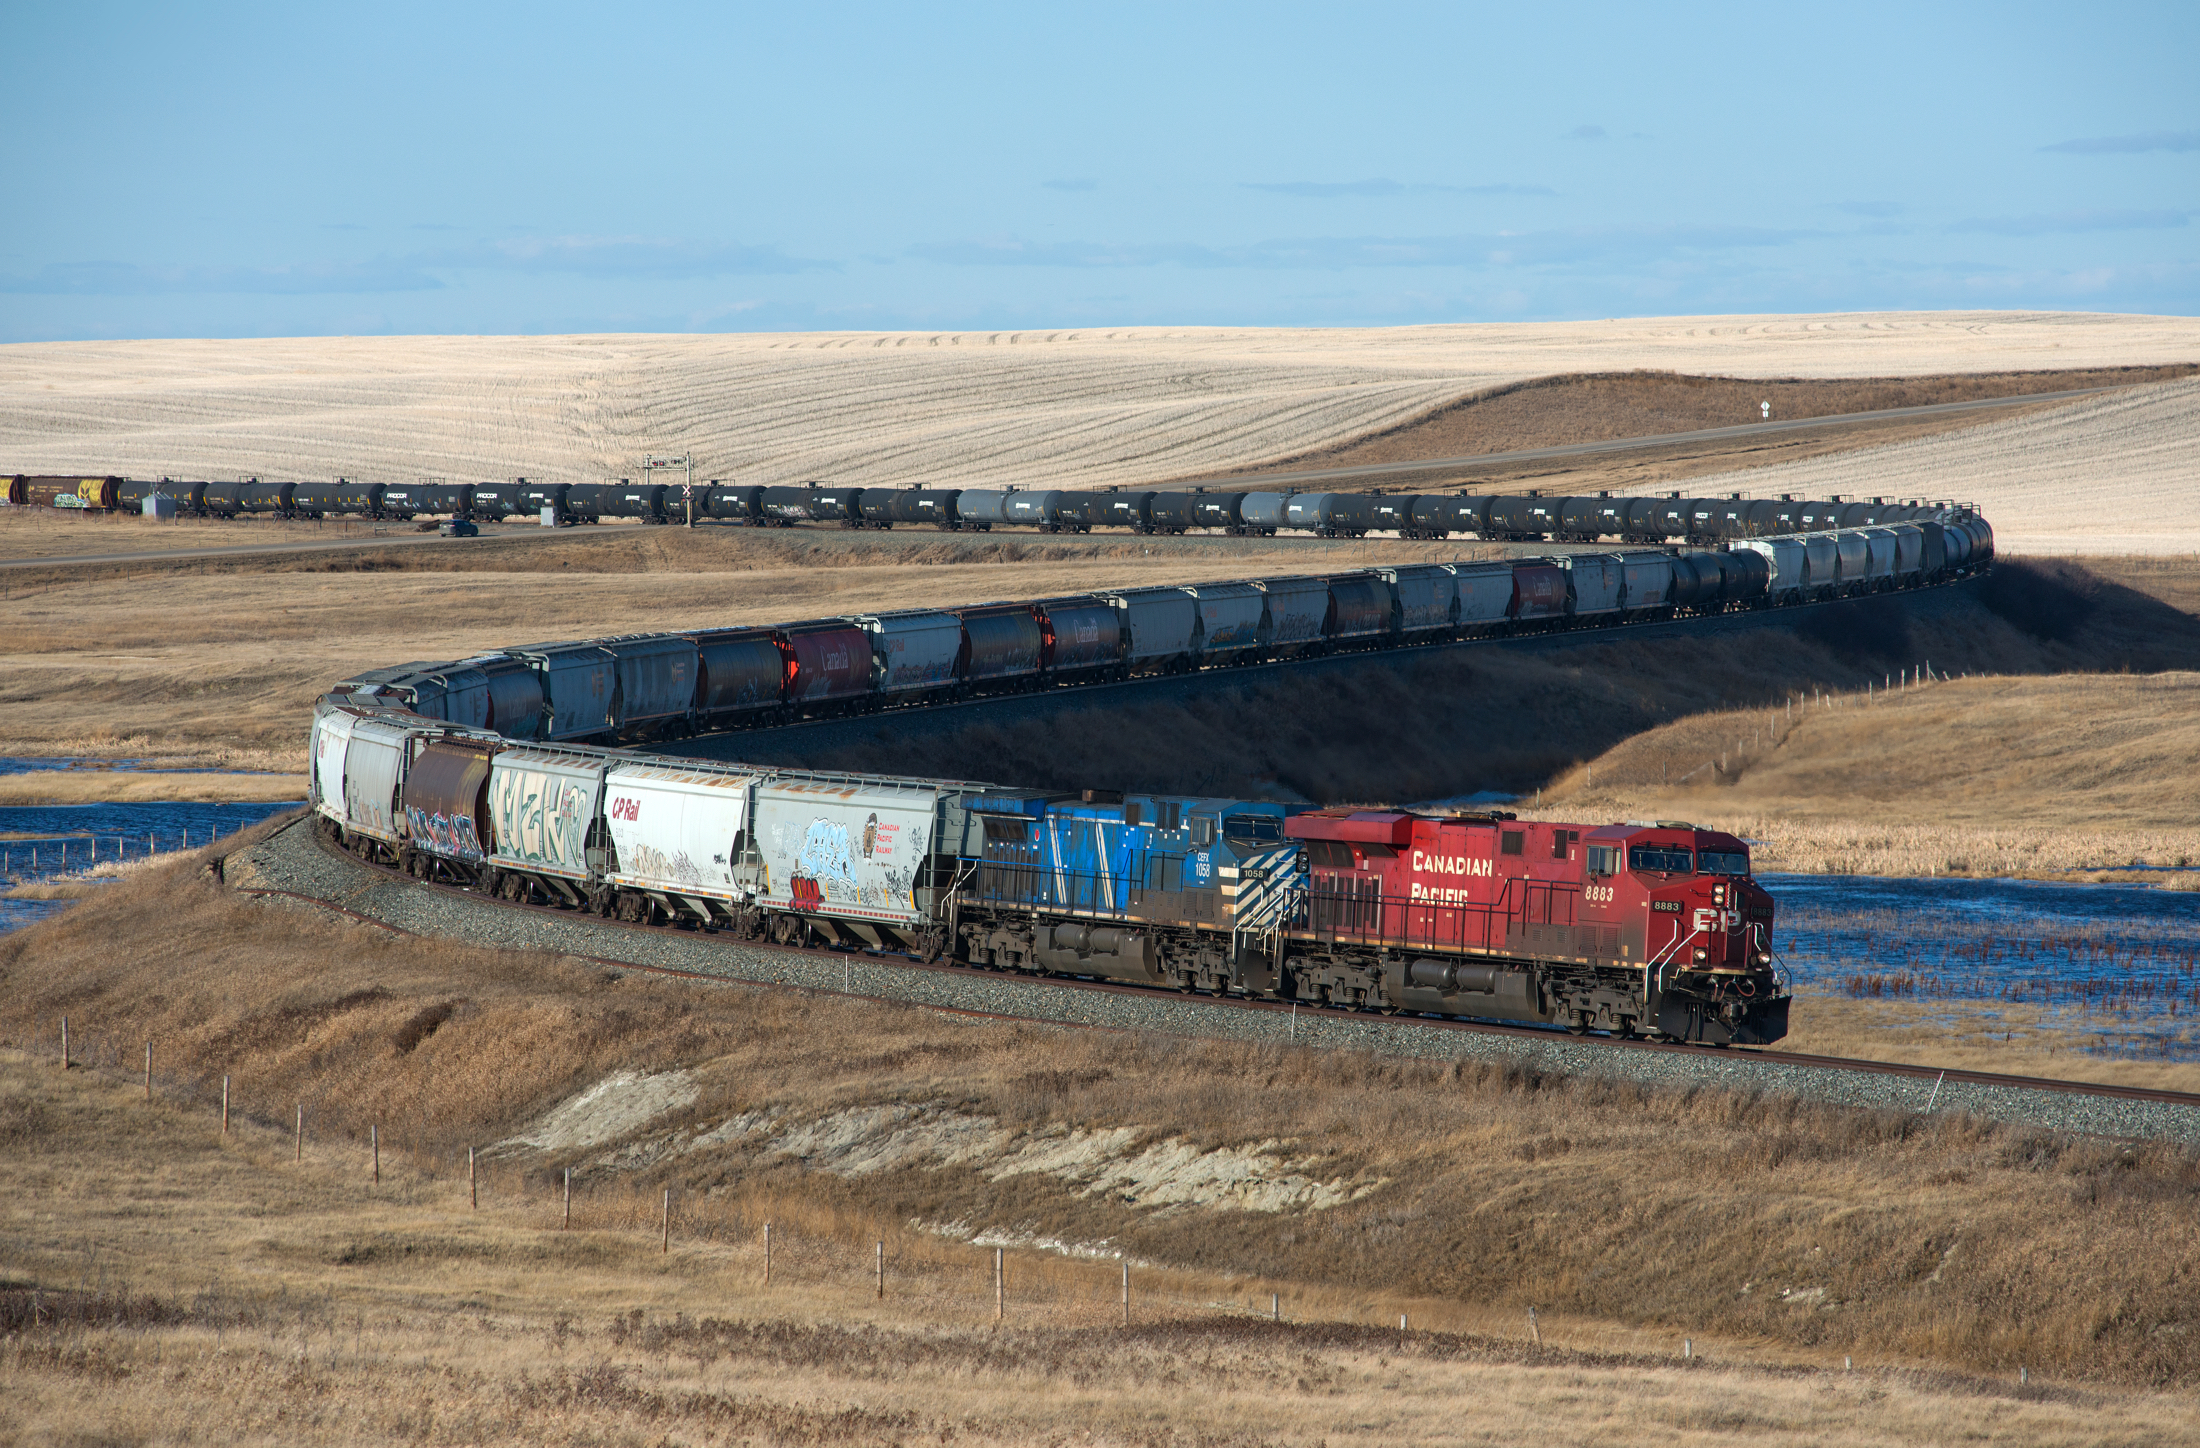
pixel 165 1283
pixel 1778 1230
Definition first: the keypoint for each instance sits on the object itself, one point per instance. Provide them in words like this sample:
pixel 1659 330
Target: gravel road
pixel 291 860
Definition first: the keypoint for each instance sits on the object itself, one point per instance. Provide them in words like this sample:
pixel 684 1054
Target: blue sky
pixel 233 170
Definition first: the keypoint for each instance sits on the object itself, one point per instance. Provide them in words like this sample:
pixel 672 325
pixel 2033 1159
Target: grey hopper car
pixel 1007 646
pixel 1596 583
pixel 916 653
pixel 1084 637
pixel 1484 592
pixel 578 682
pixel 654 696
pixel 1360 608
pixel 1298 613
pixel 1233 621
pixel 1424 600
pixel 740 673
pixel 1160 629
pixel 1649 582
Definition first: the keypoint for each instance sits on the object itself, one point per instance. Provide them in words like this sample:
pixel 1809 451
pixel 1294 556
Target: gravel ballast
pixel 293 861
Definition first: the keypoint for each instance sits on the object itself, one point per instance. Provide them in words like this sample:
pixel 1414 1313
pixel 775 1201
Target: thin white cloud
pixel 2061 222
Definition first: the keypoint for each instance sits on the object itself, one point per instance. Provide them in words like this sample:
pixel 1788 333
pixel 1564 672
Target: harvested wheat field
pixel 1065 408
pixel 2118 473
pixel 273 1298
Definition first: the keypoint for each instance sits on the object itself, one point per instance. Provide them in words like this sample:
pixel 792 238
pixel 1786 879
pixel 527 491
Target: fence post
pixel 1535 1328
pixel 473 1185
pixel 568 1200
pixel 300 1154
pixel 1126 1292
pixel 148 1070
pixel 1275 1307
pixel 374 1139
pixel 64 1043
pixel 667 1244
pixel 1000 1288
pixel 767 1254
pixel 225 1106
pixel 881 1272
pixel 1688 1348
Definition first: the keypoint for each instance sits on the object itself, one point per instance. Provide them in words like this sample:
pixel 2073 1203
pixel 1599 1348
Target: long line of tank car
pixel 1646 927
pixel 1528 517
pixel 680 683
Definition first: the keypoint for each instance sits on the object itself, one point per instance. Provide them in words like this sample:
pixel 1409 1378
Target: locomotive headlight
pixel 1718 894
pixel 1702 955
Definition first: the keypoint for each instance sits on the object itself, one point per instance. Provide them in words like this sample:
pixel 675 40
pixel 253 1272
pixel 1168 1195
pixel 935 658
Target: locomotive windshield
pixel 1668 859
pixel 1723 862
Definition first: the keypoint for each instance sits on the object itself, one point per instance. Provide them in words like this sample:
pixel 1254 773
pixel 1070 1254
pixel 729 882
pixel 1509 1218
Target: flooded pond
pixel 41 844
pixel 2122 960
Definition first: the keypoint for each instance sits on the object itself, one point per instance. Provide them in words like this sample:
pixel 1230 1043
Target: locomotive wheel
pixel 1578 1024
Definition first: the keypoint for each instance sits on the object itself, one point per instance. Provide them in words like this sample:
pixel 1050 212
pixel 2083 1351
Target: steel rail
pixel 1225 1003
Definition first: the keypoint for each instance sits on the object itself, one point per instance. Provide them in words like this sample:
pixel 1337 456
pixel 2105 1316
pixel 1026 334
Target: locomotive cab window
pixel 1723 862
pixel 1203 831
pixel 1661 859
pixel 1252 829
pixel 1604 859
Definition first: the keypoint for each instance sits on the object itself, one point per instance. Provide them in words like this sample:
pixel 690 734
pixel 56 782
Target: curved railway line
pixel 298 866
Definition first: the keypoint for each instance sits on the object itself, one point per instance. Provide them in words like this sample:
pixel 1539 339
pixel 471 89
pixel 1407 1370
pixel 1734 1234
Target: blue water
pixel 57 841
pixel 2123 960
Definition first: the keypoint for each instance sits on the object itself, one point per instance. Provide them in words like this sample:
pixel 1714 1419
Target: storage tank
pixel 1127 510
pixel 266 500
pixel 1039 508
pixel 979 509
pixel 1219 510
pixel 491 502
pixel 1585 520
pixel 1436 515
pixel 1262 513
pixel 1174 512
pixel 923 506
pixel 1310 511
pixel 733 502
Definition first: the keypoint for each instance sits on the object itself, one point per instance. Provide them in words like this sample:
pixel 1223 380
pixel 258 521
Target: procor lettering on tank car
pixel 591 690
pixel 1645 927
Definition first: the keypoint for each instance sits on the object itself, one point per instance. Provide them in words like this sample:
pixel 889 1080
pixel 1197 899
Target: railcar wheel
pixel 1578 1024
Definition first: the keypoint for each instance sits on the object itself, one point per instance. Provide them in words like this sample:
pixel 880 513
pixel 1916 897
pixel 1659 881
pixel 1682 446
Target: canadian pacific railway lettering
pixel 1449 865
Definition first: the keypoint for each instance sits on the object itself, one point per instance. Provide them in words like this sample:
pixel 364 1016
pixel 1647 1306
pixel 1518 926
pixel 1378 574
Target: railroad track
pixel 977 992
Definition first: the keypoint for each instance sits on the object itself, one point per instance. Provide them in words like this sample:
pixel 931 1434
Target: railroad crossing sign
pixel 657 462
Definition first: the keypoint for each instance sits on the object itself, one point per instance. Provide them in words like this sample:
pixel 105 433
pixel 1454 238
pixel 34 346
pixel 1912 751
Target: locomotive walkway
pixel 292 869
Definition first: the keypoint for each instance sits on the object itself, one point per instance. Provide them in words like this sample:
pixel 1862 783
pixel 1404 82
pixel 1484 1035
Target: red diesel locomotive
pixel 1652 928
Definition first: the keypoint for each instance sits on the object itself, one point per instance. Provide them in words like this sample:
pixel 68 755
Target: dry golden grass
pixel 29 533
pixel 1627 1216
pixel 127 786
pixel 2055 775
pixel 166 1284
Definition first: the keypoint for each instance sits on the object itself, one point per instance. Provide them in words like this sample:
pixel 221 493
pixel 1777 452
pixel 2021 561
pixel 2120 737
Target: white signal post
pixel 652 464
